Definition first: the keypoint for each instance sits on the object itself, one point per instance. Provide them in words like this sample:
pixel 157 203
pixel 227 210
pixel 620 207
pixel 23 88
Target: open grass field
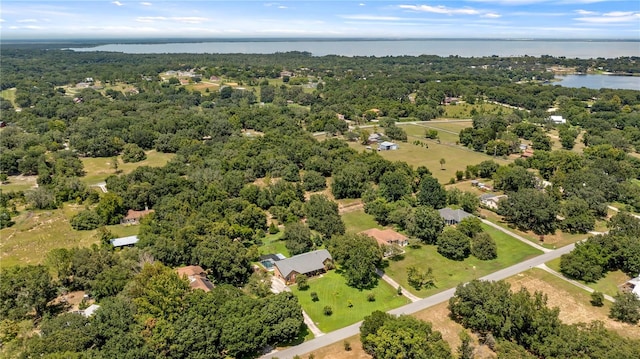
pixel 556 145
pixel 456 157
pixel 9 95
pixel 415 132
pixel 609 284
pixel 333 291
pixel 463 110
pixel 272 244
pixel 35 233
pixel 19 183
pixel 449 273
pixel 203 86
pixel 358 221
pixel 556 240
pixel 572 301
pixel 98 169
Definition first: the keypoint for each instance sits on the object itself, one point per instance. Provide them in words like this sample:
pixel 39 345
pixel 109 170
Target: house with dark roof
pixel 196 276
pixel 453 216
pixel 309 264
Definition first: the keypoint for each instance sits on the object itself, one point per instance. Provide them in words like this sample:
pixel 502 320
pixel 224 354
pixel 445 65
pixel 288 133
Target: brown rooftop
pixel 384 236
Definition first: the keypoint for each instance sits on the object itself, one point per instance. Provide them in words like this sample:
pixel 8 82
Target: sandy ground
pixel 573 309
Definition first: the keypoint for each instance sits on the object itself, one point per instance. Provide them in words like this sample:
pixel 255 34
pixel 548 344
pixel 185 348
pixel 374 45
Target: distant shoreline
pixel 143 41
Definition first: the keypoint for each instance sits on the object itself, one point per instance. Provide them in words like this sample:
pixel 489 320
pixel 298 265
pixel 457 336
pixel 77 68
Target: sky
pixel 511 19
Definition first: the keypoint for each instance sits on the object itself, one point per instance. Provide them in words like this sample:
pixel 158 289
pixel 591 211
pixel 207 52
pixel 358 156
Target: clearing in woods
pixel 573 302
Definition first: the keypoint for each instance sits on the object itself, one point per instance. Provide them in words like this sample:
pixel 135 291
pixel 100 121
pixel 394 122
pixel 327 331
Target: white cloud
pixel 618 13
pixel 585 12
pixel 492 15
pixel 190 19
pixel 282 7
pixel 611 18
pixel 2 20
pixel 27 20
pixel 362 4
pixel 117 3
pixel 150 18
pixel 146 3
pixel 440 9
pixel 371 17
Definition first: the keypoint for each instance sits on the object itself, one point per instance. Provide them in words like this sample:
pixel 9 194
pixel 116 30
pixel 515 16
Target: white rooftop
pixel 124 241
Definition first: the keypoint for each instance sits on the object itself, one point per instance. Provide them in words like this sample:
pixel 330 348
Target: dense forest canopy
pixel 245 159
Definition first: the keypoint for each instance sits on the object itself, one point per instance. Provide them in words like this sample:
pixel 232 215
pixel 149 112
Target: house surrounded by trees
pixel 309 264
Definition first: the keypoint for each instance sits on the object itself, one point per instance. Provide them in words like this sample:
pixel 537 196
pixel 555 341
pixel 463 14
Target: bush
pixel 597 299
pixel 371 297
pixel 85 221
pixel 313 181
pixel 302 281
pixel 626 308
pixel 273 229
pixel 328 310
pixel 314 297
pixel 132 153
pixel 347 346
pixel 483 247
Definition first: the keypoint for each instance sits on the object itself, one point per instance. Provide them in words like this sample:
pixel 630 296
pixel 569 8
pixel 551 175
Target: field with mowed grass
pixel 449 273
pixel 272 244
pixel 573 302
pixel 333 291
pixel 417 132
pixel 465 110
pixel 35 233
pixel 609 284
pixel 456 157
pixel 552 241
pixel 99 168
pixel 358 221
pixel 9 95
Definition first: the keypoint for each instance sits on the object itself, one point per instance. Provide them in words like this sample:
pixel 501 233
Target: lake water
pixel 600 81
pixel 464 48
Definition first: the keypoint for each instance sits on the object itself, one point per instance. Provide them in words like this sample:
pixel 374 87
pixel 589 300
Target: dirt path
pixel 352 207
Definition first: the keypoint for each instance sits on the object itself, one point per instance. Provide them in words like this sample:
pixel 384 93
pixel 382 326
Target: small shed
pixel 387 146
pixel 124 241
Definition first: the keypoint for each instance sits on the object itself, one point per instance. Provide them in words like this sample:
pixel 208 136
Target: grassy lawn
pixel 456 157
pixel 449 273
pixel 556 240
pixel 333 291
pixel 418 131
pixel 9 95
pixel 358 221
pixel 607 285
pixel 19 183
pixel 272 244
pixel 37 232
pixel 463 110
pixel 99 168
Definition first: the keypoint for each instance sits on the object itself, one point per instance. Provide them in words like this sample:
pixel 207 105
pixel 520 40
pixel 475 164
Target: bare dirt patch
pixel 336 350
pixel 574 306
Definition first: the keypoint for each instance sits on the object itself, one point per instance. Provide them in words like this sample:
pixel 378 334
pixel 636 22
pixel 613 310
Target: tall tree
pixel 358 255
pixel 431 193
pixel 530 210
pixel 425 224
pixel 323 216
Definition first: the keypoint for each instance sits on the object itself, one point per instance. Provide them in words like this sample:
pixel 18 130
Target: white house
pixel 634 285
pixel 386 146
pixel 557 119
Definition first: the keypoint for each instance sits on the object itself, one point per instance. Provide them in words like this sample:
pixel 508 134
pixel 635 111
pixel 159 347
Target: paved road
pixel 577 284
pixel 617 210
pixel 354 329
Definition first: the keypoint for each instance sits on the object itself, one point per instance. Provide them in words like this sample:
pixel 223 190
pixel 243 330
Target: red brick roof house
pixel 196 276
pixel 387 236
pixel 133 217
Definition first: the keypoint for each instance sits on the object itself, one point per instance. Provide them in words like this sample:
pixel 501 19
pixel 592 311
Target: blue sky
pixel 596 19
